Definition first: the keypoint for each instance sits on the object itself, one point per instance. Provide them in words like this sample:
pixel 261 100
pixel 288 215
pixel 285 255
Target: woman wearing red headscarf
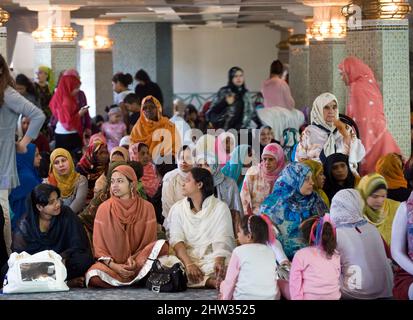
pixel 68 132
pixel 366 109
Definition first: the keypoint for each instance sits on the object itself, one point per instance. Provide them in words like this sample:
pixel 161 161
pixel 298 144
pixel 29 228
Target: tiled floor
pixel 115 294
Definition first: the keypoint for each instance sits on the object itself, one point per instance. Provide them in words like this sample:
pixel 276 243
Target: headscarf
pixel 64 105
pixel 150 179
pixel 220 147
pixel 366 108
pixel 71 72
pixel 239 91
pixel 233 168
pixel 29 178
pixel 121 150
pixel 124 141
pixel 408 170
pixel 291 137
pixel 151 132
pixel 66 183
pixel 347 209
pixel 331 187
pixel 390 166
pixel 51 83
pixel 286 201
pixel 317 168
pixel 317 119
pixel 274 150
pixel 89 162
pixel 126 210
pixel 367 185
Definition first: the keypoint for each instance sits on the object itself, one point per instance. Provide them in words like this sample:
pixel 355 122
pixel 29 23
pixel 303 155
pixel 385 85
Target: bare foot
pixel 211 283
pixel 76 283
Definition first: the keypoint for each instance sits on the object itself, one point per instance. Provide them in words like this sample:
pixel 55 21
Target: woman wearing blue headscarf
pixel 239 160
pixel 27 164
pixel 292 201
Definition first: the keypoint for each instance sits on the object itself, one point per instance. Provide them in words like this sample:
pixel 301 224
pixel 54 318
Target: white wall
pixel 203 56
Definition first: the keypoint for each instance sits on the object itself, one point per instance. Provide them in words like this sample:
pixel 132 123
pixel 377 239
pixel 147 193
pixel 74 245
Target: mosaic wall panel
pixel 299 75
pixel 324 76
pixel 385 48
pixel 57 56
pixel 136 47
pixel 3 42
pixel 284 56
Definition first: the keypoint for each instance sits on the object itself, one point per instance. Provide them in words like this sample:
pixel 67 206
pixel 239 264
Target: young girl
pixel 315 270
pixel 150 180
pixel 251 269
pixel 115 128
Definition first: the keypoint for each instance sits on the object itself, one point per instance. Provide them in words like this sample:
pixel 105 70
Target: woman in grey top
pixel 365 270
pixel 12 104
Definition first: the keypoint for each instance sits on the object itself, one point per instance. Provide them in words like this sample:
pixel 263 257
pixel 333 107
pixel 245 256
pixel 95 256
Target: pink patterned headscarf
pixel 366 109
pixel 276 151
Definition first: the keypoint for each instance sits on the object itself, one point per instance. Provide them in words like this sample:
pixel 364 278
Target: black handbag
pixel 164 279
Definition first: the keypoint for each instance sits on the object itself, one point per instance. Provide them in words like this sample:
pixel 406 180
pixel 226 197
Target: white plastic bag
pixel 41 272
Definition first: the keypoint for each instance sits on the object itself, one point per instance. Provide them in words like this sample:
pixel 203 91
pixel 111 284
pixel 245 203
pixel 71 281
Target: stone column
pixel 3 42
pixel 55 46
pixel 145 46
pixel 384 46
pixel 96 64
pixel 299 71
pixel 324 76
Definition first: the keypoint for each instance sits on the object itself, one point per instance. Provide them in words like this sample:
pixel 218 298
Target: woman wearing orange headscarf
pixel 156 131
pixel 366 108
pixel 124 235
pixel 390 166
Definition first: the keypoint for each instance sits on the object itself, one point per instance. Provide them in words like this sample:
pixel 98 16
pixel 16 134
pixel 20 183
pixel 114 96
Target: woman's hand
pixel 82 111
pixel 195 274
pixel 21 147
pixel 219 268
pixel 122 270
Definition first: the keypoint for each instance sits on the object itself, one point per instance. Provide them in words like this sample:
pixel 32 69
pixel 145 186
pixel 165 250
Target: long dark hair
pixel 143 76
pixel 6 79
pixel 231 74
pixel 23 80
pixel 204 176
pixel 41 194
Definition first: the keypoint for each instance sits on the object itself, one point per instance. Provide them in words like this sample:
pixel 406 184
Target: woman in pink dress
pixel 366 109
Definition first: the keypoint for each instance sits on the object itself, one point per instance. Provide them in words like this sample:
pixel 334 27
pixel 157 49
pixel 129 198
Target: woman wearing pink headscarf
pixel 366 109
pixel 259 180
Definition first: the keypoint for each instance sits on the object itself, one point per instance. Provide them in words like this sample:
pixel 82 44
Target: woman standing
pixel 367 110
pixel 12 104
pixel 146 87
pixel 68 132
pixel 232 107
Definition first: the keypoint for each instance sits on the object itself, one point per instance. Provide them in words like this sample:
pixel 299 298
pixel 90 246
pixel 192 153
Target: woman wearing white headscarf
pixel 365 270
pixel 327 134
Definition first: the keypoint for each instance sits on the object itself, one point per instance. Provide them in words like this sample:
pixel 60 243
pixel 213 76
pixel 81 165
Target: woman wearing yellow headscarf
pixel 72 185
pixel 378 209
pixel 390 166
pixel 318 178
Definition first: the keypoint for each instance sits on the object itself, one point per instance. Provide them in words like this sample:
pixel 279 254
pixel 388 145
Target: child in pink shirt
pixel 115 128
pixel 251 269
pixel 315 270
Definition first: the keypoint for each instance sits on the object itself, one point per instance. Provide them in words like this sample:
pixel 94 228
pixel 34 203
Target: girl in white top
pixel 251 270
pixel 327 134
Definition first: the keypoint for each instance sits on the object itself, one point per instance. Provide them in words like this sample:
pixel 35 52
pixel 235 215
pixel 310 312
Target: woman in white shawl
pixel 327 134
pixel 201 231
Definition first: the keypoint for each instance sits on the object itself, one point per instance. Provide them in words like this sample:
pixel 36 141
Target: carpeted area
pixel 115 294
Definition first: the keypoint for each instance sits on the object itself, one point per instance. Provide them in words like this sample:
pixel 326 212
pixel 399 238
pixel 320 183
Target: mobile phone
pixel 86 107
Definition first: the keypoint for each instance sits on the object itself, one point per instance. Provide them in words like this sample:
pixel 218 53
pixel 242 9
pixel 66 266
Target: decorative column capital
pixel 378 9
